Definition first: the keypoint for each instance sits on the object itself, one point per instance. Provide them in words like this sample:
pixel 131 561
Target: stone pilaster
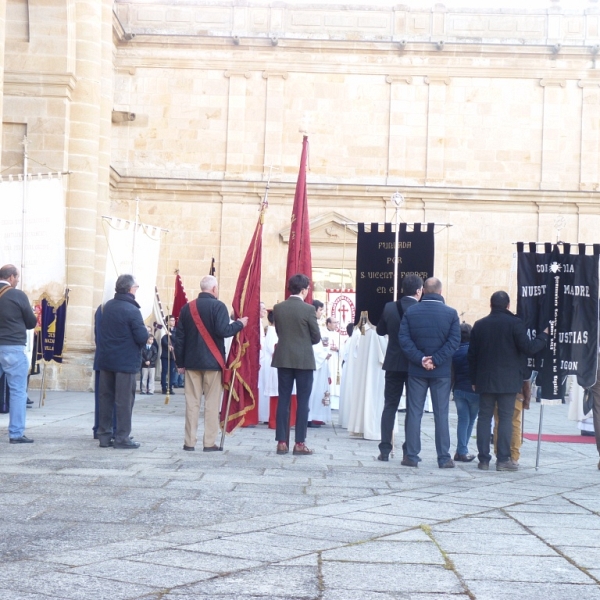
pixel 551 133
pixel 84 151
pixel 590 136
pixel 104 147
pixel 436 128
pixel 274 107
pixel 401 109
pixel 2 38
pixel 236 120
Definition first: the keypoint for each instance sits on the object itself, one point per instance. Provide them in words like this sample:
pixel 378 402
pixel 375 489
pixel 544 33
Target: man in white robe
pixel 348 356
pixel 263 405
pixel 367 386
pixel 319 413
pixel 332 334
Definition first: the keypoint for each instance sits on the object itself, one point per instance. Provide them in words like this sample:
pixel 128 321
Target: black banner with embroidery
pixel 54 319
pixel 560 290
pixel 375 263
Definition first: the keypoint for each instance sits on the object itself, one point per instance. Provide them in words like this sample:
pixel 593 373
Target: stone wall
pixel 486 120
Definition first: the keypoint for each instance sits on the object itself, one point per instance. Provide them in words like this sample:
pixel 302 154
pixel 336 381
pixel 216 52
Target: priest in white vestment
pixel 348 356
pixel 368 384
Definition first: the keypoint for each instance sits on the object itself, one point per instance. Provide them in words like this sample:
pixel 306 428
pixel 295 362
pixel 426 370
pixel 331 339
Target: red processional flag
pixel 180 299
pixel 244 355
pixel 299 258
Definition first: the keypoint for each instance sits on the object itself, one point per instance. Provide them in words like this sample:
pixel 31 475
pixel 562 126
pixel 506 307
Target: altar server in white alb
pixel 263 400
pixel 320 400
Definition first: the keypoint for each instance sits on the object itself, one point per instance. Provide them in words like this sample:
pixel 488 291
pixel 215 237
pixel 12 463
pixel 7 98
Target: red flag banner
pixel 299 258
pixel 244 355
pixel 180 299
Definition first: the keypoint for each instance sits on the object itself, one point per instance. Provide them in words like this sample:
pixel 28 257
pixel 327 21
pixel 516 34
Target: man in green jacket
pixel 297 329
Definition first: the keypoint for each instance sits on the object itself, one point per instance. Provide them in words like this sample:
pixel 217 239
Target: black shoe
pixel 21 440
pixel 129 445
pixel 314 425
pixel 189 448
pixel 406 462
pixel 164 391
pixel 108 444
pixel 29 402
pixel 448 465
pixel 483 465
pixel 214 448
pixel 464 457
pixel 383 457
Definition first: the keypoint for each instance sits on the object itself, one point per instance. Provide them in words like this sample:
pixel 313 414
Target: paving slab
pixel 83 522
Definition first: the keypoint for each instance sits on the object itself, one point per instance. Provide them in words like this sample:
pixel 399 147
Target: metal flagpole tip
pixel 397 199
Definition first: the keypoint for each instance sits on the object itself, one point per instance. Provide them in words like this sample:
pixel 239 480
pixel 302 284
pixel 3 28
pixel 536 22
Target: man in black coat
pixel 497 355
pixel 429 336
pixel 118 357
pixel 201 368
pixel 395 363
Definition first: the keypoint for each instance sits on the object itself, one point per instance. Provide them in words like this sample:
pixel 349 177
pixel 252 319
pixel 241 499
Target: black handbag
pixel 4 395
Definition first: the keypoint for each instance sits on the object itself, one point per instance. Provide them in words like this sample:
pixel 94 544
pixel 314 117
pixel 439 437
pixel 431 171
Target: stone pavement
pixel 81 522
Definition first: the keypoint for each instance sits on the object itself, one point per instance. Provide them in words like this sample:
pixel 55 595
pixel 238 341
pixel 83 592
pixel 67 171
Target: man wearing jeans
pixel 497 356
pixel 16 317
pixel 429 336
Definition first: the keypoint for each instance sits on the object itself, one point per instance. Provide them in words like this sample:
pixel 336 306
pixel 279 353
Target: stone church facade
pixel 487 121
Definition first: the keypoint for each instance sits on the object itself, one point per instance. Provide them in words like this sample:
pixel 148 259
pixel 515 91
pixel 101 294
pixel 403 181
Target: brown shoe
pixel 301 449
pixel 282 448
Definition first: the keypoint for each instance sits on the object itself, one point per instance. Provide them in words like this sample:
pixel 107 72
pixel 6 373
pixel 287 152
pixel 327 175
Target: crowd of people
pixel 484 368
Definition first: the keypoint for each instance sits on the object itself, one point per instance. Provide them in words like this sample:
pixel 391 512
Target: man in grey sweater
pixel 16 317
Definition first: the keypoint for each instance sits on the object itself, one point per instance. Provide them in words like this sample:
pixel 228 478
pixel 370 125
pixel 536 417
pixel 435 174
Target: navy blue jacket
pixel 120 335
pixel 389 324
pixel 460 367
pixel 430 328
pixel 190 350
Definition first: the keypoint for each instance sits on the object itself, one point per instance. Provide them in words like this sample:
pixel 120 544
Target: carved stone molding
pixel 55 85
pixel 327 229
pixel 433 79
pixel 550 82
pixel 399 79
pixel 584 83
pixel 245 74
pixel 282 74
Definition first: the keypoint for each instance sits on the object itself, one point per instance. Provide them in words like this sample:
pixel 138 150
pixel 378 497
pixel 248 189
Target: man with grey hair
pixel 429 336
pixel 195 356
pixel 16 317
pixel 118 356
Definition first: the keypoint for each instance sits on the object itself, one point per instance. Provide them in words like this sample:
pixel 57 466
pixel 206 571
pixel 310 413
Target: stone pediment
pixel 330 228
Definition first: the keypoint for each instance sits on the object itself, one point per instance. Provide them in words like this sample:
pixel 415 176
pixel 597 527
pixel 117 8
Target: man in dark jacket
pixel 497 356
pixel 201 368
pixel 118 356
pixel 168 367
pixel 16 317
pixel 429 336
pixel 395 363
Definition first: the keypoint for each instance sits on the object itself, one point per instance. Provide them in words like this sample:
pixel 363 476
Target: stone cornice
pixel 51 85
pixel 348 195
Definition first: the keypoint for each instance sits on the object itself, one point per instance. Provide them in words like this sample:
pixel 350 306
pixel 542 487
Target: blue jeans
pixel 15 364
pixel 467 409
pixel 415 403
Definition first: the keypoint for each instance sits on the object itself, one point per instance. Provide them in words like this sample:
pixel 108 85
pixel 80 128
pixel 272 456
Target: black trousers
pixel 392 393
pixel 117 391
pixel 506 408
pixel 304 381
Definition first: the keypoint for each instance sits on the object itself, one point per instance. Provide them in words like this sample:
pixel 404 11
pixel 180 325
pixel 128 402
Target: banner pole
pixel 539 440
pixel 42 387
pixel 227 410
